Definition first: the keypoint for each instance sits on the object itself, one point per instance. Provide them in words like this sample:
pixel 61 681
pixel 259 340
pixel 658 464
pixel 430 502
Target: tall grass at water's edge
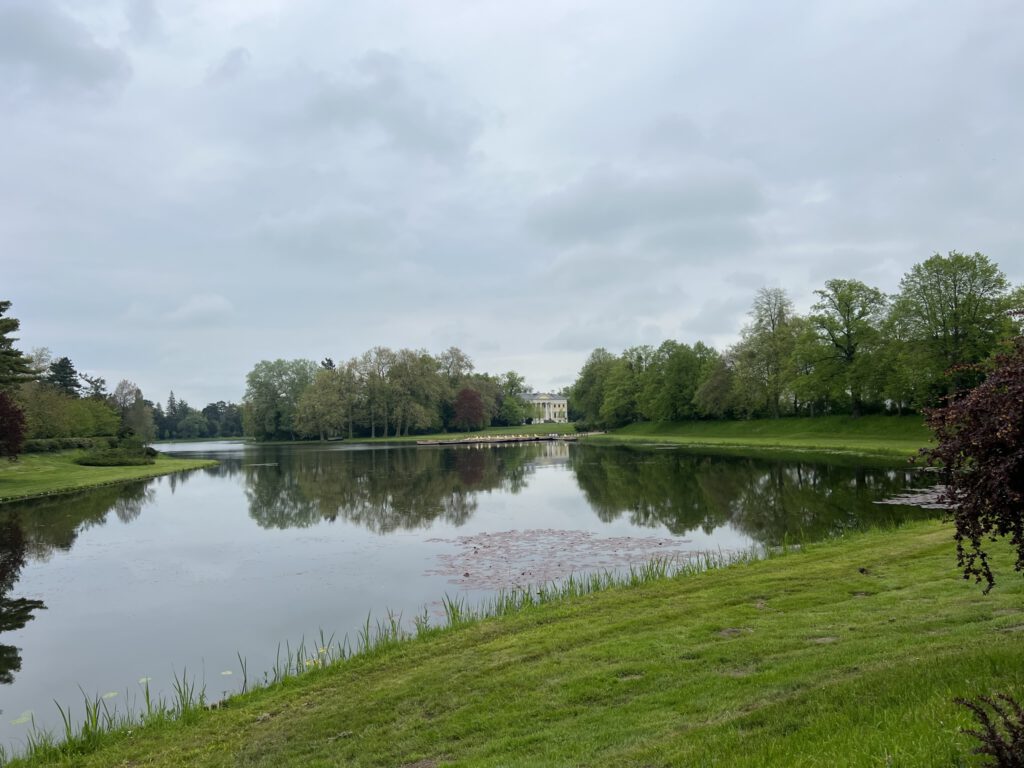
pixel 189 698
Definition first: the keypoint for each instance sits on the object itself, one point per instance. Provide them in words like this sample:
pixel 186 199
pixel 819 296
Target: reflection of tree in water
pixel 767 500
pixel 383 490
pixel 15 612
pixel 54 522
pixel 40 527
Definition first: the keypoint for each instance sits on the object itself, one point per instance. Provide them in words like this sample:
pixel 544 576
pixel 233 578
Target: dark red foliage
pixel 980 456
pixel 12 427
pixel 469 409
pixel 1001 731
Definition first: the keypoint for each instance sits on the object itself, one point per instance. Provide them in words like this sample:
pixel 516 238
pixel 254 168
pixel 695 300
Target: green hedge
pixel 52 444
pixel 113 457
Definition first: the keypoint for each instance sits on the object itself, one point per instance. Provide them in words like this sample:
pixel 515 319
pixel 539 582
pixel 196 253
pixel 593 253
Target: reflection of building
pixel 549 407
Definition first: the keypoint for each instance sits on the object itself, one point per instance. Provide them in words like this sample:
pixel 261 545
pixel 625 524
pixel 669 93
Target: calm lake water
pixel 104 588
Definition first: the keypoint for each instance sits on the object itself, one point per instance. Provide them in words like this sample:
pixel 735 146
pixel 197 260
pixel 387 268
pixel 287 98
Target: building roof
pixel 533 397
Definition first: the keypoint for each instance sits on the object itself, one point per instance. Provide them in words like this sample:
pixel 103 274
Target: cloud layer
pixel 191 187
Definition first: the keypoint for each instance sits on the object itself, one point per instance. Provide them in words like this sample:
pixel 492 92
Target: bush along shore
pixel 44 474
pixel 847 652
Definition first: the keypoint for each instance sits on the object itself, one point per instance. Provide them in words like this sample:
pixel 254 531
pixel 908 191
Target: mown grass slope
pixel 868 435
pixel 41 474
pixel 848 653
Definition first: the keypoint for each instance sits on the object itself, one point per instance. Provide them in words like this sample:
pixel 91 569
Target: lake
pixel 105 588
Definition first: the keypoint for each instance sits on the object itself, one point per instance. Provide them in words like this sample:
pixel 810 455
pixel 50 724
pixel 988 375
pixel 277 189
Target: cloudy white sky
pixel 189 186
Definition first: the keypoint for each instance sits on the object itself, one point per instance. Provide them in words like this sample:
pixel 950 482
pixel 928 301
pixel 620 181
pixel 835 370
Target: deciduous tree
pixel 954 311
pixel 469 409
pixel 848 318
pixel 980 455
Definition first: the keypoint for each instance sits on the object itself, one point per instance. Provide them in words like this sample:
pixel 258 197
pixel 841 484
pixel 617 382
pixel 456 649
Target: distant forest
pixel 857 351
pixel 60 407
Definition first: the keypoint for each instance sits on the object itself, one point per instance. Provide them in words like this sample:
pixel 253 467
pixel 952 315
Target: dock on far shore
pixel 494 439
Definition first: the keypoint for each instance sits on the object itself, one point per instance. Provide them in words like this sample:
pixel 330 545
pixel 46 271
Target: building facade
pixel 548 407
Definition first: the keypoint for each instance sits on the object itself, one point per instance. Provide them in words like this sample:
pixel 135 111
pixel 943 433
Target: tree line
pixel 857 351
pixel 46 403
pixel 381 393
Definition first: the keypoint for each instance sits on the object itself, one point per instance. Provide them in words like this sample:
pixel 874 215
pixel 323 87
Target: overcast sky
pixel 188 187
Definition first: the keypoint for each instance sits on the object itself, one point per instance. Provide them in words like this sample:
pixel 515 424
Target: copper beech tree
pixel 980 456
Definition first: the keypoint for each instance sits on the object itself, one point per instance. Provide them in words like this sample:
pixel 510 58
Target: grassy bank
pixel 884 436
pixel 42 474
pixel 847 653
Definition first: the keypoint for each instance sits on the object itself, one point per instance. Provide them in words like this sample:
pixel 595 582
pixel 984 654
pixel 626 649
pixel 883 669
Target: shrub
pixel 129 452
pixel 51 444
pixel 980 455
pixel 113 457
pixel 1001 733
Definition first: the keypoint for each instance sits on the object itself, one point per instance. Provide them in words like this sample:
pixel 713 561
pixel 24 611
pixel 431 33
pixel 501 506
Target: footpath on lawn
pixel 848 652
pixel 897 437
pixel 44 474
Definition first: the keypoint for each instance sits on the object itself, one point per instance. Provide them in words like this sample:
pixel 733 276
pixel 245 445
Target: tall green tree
pixel 847 318
pixel 15 368
pixel 587 395
pixel 135 411
pixel 272 392
pixel 620 405
pixel 63 376
pixel 763 360
pixel 954 312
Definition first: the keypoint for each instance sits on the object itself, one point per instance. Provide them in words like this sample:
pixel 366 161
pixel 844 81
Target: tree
pixel 96 386
pixel 12 427
pixel 763 360
pixel 954 311
pixel 321 408
pixel 135 412
pixel 469 409
pixel 587 395
pixel 847 318
pixel 64 377
pixel 272 396
pixel 512 410
pixel 14 366
pixel 980 455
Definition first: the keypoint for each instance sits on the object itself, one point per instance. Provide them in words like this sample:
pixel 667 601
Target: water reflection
pixel 38 528
pixel 382 490
pixel 768 501
pixel 392 489
pixel 15 612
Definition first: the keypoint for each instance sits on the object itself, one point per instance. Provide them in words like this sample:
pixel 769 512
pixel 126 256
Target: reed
pixel 374 636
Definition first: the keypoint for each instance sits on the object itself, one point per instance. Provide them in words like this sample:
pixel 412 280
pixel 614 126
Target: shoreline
pixel 870 628
pixel 41 475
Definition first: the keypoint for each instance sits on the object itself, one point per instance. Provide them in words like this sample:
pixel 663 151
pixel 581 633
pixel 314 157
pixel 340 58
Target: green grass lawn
pixel 847 653
pixel 899 436
pixel 40 474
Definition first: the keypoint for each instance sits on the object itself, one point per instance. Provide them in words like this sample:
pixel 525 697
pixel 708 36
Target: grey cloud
pixel 43 49
pixel 200 308
pixel 232 65
pixel 609 203
pixel 144 20
pixel 410 110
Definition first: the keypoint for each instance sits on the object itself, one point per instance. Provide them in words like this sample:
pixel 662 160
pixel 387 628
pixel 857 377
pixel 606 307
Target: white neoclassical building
pixel 549 407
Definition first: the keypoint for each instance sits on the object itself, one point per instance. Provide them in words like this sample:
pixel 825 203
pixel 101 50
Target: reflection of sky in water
pixel 191 580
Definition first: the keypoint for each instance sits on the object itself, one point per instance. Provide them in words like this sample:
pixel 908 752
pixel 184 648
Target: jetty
pixel 496 439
